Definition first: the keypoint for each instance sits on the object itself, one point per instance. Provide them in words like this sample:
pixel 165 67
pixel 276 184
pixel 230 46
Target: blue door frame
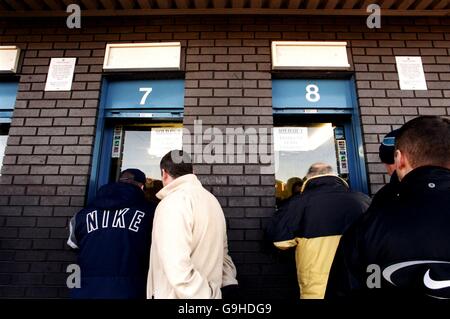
pixel 122 100
pixel 336 97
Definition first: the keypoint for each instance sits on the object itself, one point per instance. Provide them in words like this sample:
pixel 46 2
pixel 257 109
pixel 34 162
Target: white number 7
pixel 146 94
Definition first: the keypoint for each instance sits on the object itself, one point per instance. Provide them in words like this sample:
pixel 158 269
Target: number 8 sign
pixel 312 93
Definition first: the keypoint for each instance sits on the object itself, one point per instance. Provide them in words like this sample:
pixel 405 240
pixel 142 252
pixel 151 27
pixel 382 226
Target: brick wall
pixel 228 83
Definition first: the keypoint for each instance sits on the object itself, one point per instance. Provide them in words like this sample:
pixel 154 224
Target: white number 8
pixel 312 93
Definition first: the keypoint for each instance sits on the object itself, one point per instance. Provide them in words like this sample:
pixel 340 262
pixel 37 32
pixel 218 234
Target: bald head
pixel 319 169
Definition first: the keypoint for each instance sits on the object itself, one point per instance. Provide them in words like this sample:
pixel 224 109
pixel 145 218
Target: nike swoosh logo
pixel 434 284
pixel 388 271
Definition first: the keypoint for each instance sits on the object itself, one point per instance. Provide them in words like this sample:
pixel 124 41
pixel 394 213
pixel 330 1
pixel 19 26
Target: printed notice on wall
pixel 60 74
pixel 410 73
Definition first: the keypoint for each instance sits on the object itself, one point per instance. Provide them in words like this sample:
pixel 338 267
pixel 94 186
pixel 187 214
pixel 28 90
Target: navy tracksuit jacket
pixel 113 235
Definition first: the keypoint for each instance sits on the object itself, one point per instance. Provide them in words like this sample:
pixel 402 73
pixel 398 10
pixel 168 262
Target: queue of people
pixel 346 244
pixel 129 248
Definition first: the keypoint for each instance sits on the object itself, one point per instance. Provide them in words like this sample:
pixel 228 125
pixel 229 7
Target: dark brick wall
pixel 228 83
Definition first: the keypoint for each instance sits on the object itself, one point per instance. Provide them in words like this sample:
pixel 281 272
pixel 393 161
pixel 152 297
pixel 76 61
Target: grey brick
pixel 14 244
pixel 244 180
pixel 48 150
pixel 34 232
pixel 34 159
pixel 77 150
pixel 243 201
pixel 24 200
pixel 244 223
pixel 47 244
pixel 227 169
pixel 14 267
pixel 28 180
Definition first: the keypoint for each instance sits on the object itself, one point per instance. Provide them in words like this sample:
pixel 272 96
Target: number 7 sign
pixel 146 94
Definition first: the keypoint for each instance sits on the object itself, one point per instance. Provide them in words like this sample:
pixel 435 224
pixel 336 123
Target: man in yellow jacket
pixel 189 253
pixel 313 223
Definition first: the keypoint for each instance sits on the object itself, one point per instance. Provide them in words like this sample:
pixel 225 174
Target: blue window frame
pixel 8 92
pixel 326 97
pixel 131 101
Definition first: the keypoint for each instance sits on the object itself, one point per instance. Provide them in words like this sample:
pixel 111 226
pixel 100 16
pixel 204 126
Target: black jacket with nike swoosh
pixel 400 248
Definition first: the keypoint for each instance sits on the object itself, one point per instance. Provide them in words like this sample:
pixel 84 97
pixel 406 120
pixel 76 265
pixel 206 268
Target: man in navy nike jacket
pixel 113 235
pixel 401 246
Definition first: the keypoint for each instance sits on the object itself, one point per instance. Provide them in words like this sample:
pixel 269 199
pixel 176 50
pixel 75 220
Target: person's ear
pixel 402 164
pixel 399 159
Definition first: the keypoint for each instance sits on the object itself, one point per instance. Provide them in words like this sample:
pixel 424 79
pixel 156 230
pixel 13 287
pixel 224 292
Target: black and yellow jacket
pixel 313 223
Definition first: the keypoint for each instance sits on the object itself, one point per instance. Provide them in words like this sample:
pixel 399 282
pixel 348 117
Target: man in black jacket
pixel 113 235
pixel 313 223
pixel 401 247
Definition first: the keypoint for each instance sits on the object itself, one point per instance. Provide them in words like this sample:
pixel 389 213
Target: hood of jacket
pixel 327 181
pixel 177 184
pixel 118 195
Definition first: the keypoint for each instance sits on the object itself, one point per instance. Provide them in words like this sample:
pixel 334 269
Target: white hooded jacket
pixel 189 254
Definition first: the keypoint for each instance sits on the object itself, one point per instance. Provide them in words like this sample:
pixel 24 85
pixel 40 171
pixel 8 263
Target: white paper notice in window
pixel 163 140
pixel 410 73
pixel 290 139
pixel 60 74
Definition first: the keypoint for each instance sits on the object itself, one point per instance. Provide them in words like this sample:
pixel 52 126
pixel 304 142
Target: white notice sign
pixel 60 74
pixel 163 140
pixel 410 73
pixel 290 139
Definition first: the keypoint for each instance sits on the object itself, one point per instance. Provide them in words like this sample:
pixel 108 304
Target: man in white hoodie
pixel 189 253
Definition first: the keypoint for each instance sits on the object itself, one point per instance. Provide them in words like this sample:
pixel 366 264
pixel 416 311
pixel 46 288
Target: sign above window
pixel 312 94
pixel 161 56
pixel 296 55
pixel 145 94
pixel 9 59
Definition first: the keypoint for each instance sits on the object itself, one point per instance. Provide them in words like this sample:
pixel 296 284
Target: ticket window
pixel 316 121
pixel 298 145
pixel 142 145
pixel 139 122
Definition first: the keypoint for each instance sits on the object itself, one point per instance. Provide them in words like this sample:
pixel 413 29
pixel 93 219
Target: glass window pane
pixel 3 140
pixel 143 149
pixel 297 148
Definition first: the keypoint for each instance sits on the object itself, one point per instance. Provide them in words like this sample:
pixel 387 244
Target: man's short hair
pixel 319 169
pixel 176 163
pixel 426 141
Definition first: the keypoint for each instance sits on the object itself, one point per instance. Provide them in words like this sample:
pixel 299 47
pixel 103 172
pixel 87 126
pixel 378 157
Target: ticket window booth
pixel 8 92
pixel 139 122
pixel 316 120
